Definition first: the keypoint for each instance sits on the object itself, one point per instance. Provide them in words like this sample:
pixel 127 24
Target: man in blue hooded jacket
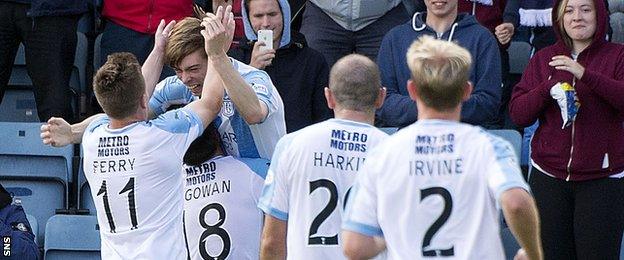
pixel 18 240
pixel 443 22
pixel 299 73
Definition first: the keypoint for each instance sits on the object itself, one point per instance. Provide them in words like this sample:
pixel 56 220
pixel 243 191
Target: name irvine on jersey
pixel 113 146
pixel 348 141
pixel 432 144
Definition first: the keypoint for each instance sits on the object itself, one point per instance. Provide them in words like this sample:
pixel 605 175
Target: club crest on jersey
pixel 228 107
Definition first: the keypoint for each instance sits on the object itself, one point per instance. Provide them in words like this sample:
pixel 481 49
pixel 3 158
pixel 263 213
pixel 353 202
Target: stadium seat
pixel 85 200
pixel 34 226
pixel 510 245
pixel 72 237
pixel 519 55
pixel 511 136
pixel 258 165
pixel 19 74
pixel 36 175
pixel 18 105
pixel 389 130
pixel 78 80
pixel 96 53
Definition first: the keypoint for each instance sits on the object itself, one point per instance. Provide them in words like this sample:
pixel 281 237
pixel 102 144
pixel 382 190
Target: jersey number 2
pixel 446 213
pixel 131 204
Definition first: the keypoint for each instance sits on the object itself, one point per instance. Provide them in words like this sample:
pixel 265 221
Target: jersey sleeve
pixel 181 121
pixel 504 172
pixel 261 83
pixel 361 212
pixel 169 92
pixel 274 198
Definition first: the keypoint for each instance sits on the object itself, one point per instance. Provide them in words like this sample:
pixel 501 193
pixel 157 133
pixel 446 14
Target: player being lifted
pixel 133 164
pixel 313 169
pixel 434 187
pixel 221 219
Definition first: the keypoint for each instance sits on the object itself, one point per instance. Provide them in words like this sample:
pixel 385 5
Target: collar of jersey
pixel 349 122
pixel 436 122
pixel 123 129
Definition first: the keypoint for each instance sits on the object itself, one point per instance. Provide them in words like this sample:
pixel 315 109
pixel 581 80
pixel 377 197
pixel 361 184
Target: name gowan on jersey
pixel 201 174
pixel 113 146
pixel 348 141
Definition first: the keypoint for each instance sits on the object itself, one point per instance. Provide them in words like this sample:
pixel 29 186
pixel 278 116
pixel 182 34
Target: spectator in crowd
pixel 47 28
pixel 252 118
pixel 577 158
pixel 440 20
pixel 616 8
pixel 15 230
pixel 338 28
pixel 298 72
pixel 146 155
pixel 129 25
pixel 315 167
pixel 532 15
pixel 230 205
pixel 440 165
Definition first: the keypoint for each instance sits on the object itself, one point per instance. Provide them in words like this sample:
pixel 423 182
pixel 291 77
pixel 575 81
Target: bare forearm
pixel 78 129
pixel 243 96
pixel 523 221
pixel 358 246
pixel 271 253
pixel 151 69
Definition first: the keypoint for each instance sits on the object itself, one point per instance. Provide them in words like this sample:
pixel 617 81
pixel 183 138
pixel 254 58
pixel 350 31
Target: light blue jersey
pixel 239 138
pixel 135 180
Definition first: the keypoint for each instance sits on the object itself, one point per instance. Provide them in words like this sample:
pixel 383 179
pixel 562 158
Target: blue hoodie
pixel 399 110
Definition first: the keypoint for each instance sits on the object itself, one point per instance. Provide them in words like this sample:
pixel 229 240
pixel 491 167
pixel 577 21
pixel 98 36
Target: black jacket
pixel 300 74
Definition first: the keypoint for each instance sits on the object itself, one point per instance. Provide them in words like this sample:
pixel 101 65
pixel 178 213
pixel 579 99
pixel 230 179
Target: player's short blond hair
pixel 355 82
pixel 440 71
pixel 119 85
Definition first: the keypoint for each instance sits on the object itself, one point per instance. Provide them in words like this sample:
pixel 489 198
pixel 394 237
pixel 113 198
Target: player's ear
pixel 144 101
pixel 329 96
pixel 380 98
pixel 467 91
pixel 412 90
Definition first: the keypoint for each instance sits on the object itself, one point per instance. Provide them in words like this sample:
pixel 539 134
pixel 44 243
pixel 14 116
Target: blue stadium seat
pixel 96 52
pixel 511 136
pixel 19 74
pixel 33 224
pixel 389 130
pixel 85 200
pixel 510 245
pixel 36 175
pixel 78 80
pixel 18 105
pixel 72 237
pixel 258 165
pixel 519 55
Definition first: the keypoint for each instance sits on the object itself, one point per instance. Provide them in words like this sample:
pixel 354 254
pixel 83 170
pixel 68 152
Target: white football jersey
pixel 135 180
pixel 221 220
pixel 308 182
pixel 432 190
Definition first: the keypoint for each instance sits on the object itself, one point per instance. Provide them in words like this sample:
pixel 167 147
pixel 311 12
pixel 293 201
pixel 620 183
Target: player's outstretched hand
pixel 56 132
pixel 216 31
pixel 162 35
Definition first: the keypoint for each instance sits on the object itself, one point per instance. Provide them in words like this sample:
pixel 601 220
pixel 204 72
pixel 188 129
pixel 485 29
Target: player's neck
pixel 121 123
pixel 357 116
pixel 430 113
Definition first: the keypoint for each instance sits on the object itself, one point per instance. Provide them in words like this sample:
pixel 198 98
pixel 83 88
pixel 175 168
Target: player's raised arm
pixel 243 96
pixel 521 215
pixel 152 67
pixel 216 36
pixel 58 133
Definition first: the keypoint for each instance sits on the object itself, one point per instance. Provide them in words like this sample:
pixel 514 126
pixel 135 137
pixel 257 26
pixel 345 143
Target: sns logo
pixel 6 246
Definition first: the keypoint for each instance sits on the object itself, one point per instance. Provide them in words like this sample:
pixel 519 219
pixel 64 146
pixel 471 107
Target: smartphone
pixel 266 36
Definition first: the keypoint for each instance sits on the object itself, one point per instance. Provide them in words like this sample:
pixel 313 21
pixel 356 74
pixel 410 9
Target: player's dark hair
pixel 203 148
